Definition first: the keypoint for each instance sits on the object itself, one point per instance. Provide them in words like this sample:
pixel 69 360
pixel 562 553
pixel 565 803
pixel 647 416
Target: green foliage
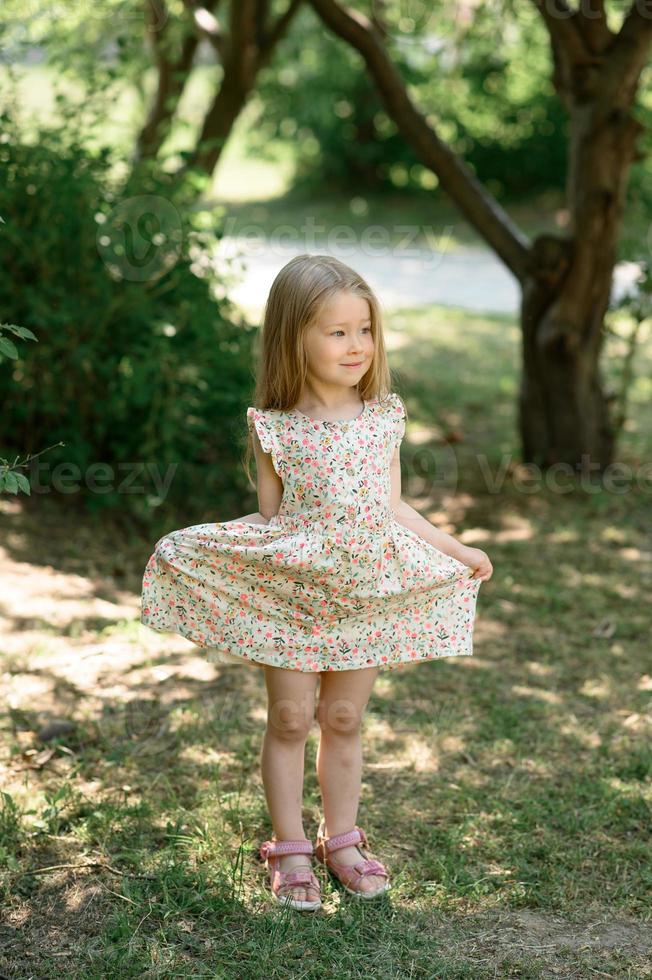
pixel 142 366
pixel 485 89
pixel 10 480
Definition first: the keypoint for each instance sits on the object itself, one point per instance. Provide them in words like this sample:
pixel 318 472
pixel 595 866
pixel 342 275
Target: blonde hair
pixel 299 292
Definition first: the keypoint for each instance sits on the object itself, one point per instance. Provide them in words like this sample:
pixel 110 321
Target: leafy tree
pixel 483 87
pixel 565 278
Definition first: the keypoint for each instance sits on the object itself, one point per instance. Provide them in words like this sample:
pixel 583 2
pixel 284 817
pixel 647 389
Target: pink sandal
pixel 280 880
pixel 350 874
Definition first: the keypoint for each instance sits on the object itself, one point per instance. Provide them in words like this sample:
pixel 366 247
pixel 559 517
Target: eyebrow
pixel 345 324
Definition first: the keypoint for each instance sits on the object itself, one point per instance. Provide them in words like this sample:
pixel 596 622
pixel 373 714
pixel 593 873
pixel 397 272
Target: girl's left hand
pixel 478 560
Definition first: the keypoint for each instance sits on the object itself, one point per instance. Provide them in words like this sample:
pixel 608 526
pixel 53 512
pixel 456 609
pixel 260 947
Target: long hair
pixel 299 292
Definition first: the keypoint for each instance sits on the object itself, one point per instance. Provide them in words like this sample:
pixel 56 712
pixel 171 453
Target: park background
pixel 160 162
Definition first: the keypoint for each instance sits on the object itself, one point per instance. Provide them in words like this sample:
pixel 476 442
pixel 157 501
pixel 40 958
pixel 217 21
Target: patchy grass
pixel 509 793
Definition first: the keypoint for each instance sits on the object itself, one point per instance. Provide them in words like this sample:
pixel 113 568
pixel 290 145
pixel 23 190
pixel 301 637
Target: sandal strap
pixel 370 867
pixel 272 848
pixel 300 876
pixel 355 836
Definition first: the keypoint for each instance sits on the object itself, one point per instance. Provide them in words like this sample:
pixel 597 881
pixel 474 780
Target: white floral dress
pixel 333 581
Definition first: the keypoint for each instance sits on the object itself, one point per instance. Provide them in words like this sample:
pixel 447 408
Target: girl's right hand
pixel 479 561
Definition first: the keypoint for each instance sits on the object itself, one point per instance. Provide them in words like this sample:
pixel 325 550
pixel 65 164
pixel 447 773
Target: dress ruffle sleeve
pixel 266 430
pixel 260 421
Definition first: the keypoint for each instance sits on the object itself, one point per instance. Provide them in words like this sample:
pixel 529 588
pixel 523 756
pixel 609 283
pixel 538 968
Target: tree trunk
pixel 563 411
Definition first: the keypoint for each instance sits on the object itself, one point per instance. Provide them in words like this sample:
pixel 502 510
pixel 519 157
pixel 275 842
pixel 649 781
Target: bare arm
pixel 407 516
pixel 412 519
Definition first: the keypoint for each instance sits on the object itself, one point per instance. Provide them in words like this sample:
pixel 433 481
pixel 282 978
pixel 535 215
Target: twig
pixel 89 864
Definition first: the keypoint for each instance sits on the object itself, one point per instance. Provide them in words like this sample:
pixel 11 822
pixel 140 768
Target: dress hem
pixel 212 654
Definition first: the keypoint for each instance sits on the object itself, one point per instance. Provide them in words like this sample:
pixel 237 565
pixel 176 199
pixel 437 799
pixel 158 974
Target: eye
pixel 341 331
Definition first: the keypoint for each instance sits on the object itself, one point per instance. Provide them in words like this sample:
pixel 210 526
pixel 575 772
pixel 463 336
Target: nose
pixel 357 348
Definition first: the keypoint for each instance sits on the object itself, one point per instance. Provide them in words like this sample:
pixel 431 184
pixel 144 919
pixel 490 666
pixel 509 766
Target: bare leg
pixel 342 699
pixel 290 713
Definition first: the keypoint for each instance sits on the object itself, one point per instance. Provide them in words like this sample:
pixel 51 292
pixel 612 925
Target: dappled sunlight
pixel 593 688
pixel 522 533
pixel 535 767
pixel 563 535
pixel 550 697
pixel 422 435
pixel 377 728
pixel 609 533
pixel 541 670
pixel 475 536
pixel 634 554
pixel 187 674
pixel 626 591
pixel 483 632
pixel 577 728
pixel 205 755
pixel 420 756
pixel 637 722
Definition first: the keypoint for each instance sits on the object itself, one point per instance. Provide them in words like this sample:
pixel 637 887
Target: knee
pixel 341 718
pixel 289 720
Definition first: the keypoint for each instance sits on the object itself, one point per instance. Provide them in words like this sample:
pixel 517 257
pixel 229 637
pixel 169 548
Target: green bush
pixel 141 361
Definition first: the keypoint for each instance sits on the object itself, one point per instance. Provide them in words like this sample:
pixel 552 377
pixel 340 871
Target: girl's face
pixel 340 345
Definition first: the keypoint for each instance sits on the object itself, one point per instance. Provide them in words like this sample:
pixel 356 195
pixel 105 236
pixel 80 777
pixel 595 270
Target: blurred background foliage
pixel 138 373
pixel 488 92
pixel 159 371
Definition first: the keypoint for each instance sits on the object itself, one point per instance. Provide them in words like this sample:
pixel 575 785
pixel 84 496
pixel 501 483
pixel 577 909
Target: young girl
pixel 335 578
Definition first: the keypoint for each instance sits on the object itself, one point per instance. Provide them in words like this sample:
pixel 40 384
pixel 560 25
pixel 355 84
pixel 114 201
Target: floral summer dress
pixel 331 582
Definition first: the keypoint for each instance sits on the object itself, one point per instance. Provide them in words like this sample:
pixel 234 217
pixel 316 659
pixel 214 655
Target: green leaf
pixel 11 483
pixel 19 331
pixel 8 347
pixel 23 483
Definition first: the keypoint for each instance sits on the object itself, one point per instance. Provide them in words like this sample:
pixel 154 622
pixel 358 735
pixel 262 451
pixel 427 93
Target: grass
pixel 509 793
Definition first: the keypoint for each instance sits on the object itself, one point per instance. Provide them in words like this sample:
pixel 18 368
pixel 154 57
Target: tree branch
pixel 208 25
pixel 592 23
pixel 457 179
pixel 564 29
pixel 172 75
pixel 630 52
pixel 277 30
pixel 243 57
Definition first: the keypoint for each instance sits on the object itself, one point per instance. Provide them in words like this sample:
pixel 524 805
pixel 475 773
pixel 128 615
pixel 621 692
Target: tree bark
pixel 565 281
pixel 246 48
pixel 251 44
pixel 172 73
